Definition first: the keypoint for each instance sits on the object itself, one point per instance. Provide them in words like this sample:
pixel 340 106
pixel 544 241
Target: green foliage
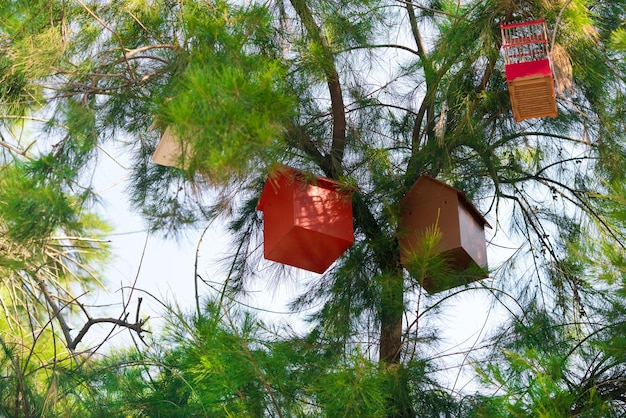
pixel 230 102
pixel 618 38
pixel 243 108
pixel 13 86
pixel 30 208
pixel 539 373
pixel 227 363
pixel 82 137
pixel 371 94
pixel 356 389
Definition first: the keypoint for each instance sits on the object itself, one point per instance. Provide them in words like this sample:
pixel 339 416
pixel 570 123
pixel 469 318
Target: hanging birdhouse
pixel 307 223
pixel 438 222
pixel 169 151
pixel 528 70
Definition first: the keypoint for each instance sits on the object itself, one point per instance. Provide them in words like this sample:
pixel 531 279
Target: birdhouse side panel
pixel 533 97
pixel 307 249
pixel 290 249
pixel 460 260
pixel 305 224
pixel 472 237
pixel 278 212
pixel 430 204
pixel 445 214
pixel 168 151
pixel 323 209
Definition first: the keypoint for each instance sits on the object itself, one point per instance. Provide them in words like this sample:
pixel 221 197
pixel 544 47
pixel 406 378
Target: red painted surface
pixel 530 68
pixel 522 24
pixel 307 223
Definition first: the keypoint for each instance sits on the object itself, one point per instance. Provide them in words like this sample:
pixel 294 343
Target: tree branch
pixel 56 310
pixel 115 34
pixel 300 140
pixel 136 326
pixel 426 108
pixel 131 52
pixel 72 343
pixel 334 87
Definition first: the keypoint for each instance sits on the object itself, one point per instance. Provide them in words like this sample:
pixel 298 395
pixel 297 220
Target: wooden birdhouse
pixel 307 223
pixel 528 70
pixel 433 207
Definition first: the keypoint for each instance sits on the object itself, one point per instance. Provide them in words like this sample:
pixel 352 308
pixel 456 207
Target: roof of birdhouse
pixel 291 173
pixel 462 197
pixel 523 24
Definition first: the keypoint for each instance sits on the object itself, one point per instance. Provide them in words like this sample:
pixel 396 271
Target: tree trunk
pixel 392 309
pixel 392 302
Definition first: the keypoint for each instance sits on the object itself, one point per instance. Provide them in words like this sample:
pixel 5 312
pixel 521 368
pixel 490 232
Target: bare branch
pixel 14 149
pixel 427 107
pixel 56 310
pixel 130 52
pixel 136 326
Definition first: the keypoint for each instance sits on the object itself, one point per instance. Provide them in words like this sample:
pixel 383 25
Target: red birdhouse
pixel 307 223
pixel 528 70
pixel 431 206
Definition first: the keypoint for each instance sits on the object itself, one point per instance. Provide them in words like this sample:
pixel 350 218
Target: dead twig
pixel 137 326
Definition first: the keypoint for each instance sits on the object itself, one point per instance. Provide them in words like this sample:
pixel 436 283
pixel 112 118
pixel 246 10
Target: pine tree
pixel 370 95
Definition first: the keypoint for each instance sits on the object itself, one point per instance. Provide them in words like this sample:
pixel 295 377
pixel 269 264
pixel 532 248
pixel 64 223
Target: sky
pixel 146 262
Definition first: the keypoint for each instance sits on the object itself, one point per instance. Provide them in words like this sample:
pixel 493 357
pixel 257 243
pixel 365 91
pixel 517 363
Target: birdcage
pixel 528 70
pixel 307 221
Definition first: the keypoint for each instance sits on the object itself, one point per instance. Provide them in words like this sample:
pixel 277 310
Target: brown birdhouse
pixel 528 70
pixel 434 212
pixel 307 222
